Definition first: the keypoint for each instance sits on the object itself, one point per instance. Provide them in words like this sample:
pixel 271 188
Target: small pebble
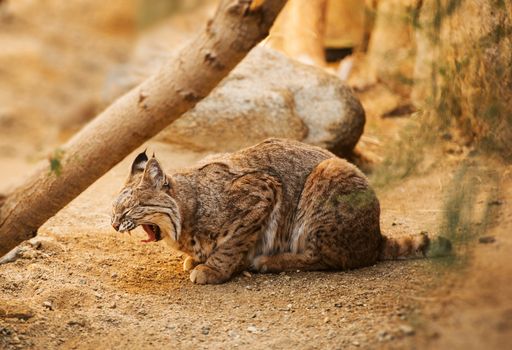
pixel 205 330
pixel 29 254
pixel 233 334
pixel 252 329
pixel 47 304
pixel 406 329
pixel 76 323
pixel 381 335
pixel 15 339
pixel 487 239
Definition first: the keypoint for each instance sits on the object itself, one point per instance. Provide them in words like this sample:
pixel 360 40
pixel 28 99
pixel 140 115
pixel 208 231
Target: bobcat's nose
pixel 116 223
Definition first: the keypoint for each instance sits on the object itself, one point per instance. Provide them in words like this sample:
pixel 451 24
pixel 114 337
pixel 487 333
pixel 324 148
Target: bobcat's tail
pixel 414 246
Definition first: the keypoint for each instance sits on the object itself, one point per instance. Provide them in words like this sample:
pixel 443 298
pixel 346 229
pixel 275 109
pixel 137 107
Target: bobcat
pixel 279 205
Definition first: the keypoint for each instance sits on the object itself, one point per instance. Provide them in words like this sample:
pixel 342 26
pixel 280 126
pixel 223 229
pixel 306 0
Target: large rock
pixel 269 95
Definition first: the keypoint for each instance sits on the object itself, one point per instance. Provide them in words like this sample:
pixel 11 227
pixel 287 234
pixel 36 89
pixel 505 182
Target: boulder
pixel 270 95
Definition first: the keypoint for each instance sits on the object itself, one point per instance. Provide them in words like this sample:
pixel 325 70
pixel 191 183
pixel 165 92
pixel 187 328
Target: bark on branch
pixel 237 26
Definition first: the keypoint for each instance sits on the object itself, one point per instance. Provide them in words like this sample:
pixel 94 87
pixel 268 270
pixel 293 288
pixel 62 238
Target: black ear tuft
pixel 139 163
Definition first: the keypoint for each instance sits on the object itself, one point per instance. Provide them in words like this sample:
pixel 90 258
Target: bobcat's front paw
pixel 189 263
pixel 203 274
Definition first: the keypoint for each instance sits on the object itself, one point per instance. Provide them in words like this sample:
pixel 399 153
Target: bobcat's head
pixel 147 200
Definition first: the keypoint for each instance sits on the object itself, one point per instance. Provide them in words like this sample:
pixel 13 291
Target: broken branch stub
pixel 237 26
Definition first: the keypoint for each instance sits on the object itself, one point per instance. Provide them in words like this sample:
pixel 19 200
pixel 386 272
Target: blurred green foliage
pixel 56 162
pixel 472 78
pixel 469 95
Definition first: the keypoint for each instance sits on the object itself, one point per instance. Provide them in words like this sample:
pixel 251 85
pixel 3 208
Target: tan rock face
pixel 299 31
pixel 345 23
pixel 463 69
pixel 303 103
pixel 391 51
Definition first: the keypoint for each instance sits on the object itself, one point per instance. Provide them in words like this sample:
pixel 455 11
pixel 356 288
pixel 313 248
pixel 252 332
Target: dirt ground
pixel 81 285
pixel 85 286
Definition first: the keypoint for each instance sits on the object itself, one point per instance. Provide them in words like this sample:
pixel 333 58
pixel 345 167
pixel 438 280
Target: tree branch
pixel 237 26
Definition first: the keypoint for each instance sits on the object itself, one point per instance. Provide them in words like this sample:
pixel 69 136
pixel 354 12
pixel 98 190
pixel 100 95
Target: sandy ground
pixel 81 285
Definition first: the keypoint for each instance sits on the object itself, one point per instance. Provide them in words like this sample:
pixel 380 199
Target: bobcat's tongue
pixel 150 232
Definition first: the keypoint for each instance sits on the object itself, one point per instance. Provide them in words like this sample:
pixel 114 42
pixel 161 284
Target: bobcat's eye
pixel 125 213
pixel 166 185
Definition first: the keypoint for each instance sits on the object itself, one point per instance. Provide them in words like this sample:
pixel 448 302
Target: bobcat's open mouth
pixel 154 233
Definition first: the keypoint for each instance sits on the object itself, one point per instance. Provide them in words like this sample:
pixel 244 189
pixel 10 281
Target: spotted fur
pixel 279 205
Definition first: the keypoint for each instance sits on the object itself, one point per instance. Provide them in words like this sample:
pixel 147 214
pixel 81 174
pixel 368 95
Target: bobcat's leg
pixel 189 263
pixel 337 218
pixel 227 260
pixel 336 226
pixel 253 198
pixel 288 262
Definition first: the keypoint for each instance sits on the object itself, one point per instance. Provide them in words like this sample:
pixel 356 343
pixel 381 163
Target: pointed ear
pixel 139 164
pixel 153 174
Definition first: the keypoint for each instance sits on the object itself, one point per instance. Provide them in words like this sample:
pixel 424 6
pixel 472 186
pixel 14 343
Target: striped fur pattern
pixel 279 205
pixel 405 247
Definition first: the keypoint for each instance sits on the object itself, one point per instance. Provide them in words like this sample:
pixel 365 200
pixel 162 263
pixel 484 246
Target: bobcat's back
pixel 289 163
